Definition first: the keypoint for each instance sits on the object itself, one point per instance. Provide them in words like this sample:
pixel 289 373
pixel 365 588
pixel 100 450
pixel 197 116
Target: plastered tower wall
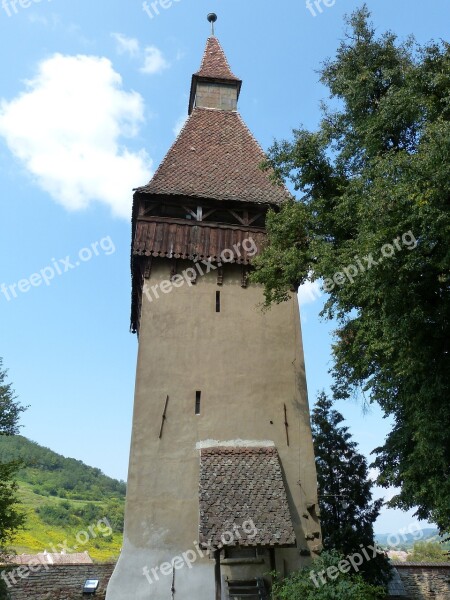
pixel 247 365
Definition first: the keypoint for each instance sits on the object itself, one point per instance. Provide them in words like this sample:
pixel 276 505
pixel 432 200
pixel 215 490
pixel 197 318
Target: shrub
pixel 307 584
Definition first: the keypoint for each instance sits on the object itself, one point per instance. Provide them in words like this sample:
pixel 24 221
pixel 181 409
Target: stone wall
pixel 425 581
pixel 65 582
pixel 55 582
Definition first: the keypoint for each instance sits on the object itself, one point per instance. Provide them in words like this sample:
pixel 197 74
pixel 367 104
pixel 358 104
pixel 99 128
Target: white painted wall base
pixel 129 582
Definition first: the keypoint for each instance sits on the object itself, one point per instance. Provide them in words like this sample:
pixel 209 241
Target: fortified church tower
pixel 222 483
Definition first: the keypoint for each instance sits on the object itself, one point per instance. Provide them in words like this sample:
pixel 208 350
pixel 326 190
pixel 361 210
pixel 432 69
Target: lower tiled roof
pixel 239 485
pixel 52 558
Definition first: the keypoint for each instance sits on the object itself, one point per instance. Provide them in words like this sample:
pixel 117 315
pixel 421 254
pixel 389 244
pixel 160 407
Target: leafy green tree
pixel 10 410
pixel 10 518
pixel 345 491
pixel 115 512
pixel 66 513
pixel 428 552
pixel 324 580
pixel 373 224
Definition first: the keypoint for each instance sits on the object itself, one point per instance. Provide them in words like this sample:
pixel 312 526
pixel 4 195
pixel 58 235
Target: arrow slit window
pixel 198 400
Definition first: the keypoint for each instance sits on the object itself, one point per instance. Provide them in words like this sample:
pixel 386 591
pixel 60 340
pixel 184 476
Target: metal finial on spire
pixel 212 18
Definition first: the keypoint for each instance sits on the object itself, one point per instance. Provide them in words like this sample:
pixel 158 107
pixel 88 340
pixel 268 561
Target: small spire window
pixel 198 402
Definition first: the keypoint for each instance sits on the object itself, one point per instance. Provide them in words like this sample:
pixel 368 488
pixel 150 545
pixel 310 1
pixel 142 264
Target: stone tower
pixel 222 483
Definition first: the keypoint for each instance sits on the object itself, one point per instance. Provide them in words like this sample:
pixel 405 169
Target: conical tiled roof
pixel 216 157
pixel 214 63
pixel 214 68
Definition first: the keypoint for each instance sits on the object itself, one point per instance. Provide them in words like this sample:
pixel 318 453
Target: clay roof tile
pixel 214 62
pixel 216 157
pixel 252 490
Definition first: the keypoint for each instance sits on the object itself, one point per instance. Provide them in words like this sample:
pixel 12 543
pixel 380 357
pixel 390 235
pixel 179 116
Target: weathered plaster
pixel 247 364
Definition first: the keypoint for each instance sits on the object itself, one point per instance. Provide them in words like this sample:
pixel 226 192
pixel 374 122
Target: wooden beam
pixel 163 418
pixel 218 575
pixel 250 221
pixel 174 269
pixel 273 562
pixel 244 276
pixel 172 589
pixel 148 268
pixel 286 424
pixel 147 209
pixel 191 212
pixel 209 213
pixel 241 220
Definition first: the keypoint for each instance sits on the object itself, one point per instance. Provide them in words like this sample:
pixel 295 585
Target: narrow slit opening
pixel 218 302
pixel 198 397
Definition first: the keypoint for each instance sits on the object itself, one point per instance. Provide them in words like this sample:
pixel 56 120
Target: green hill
pixel 69 505
pixel 405 541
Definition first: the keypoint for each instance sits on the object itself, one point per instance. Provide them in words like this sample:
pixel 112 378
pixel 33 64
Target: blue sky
pixel 91 97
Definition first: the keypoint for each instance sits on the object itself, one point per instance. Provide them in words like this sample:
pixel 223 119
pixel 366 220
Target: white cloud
pixel 52 20
pixel 126 45
pixel 152 58
pixel 67 127
pixel 179 125
pixel 309 292
pixel 154 61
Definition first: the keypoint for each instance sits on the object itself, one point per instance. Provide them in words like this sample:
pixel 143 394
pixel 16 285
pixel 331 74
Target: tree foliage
pixel 345 491
pixel 346 586
pixel 10 410
pixel 10 517
pixel 428 552
pixel 68 514
pixel 377 173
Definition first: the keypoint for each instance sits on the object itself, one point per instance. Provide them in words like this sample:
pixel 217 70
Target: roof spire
pixel 212 18
pixel 214 77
